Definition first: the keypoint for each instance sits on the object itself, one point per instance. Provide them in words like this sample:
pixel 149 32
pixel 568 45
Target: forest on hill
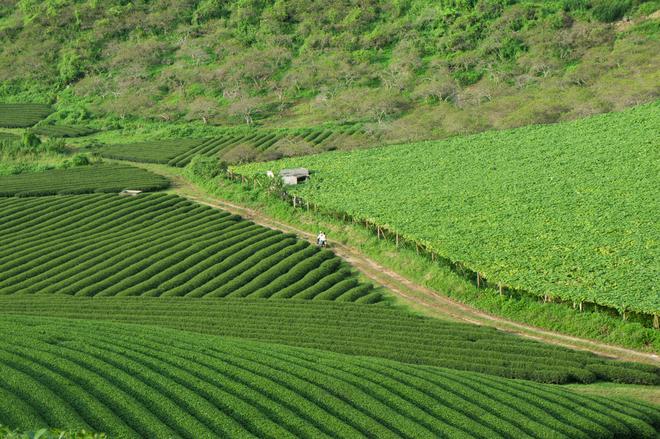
pixel 401 70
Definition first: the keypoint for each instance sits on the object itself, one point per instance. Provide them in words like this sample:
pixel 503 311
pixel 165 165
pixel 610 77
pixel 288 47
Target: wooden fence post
pixel 397 240
pixel 581 306
pixel 501 293
pixel 656 321
pixel 478 280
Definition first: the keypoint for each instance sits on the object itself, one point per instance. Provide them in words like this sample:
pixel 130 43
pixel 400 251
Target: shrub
pixel 207 167
pixel 30 140
pixel 80 160
pixel 610 10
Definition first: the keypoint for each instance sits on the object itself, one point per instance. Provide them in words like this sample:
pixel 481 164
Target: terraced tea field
pixel 81 180
pixel 179 152
pixel 160 245
pixel 62 131
pixel 138 381
pixel 348 328
pixel 564 211
pixel 22 115
pixel 157 151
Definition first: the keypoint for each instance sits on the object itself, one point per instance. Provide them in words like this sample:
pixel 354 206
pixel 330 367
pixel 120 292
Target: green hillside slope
pixel 407 69
pixel 567 210
pixel 139 381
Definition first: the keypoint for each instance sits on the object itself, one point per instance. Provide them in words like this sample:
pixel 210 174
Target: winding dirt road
pixel 417 296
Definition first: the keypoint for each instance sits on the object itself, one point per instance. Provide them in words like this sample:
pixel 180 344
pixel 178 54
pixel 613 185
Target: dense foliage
pixel 22 115
pixel 145 381
pixel 567 210
pixel 160 245
pixel 81 180
pixel 349 328
pixel 410 69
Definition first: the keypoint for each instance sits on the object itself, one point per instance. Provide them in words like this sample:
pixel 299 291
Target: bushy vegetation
pixel 544 209
pixel 349 328
pixel 81 179
pixel 413 69
pixel 164 383
pixel 160 245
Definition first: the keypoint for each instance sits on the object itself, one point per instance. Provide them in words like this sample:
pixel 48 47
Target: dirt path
pixel 417 296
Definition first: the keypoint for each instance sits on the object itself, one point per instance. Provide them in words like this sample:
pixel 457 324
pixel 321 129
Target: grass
pixel 132 381
pixel 160 245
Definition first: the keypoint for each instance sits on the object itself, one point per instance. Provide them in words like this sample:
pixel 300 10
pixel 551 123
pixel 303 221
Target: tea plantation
pixel 160 245
pixel 141 381
pixel 22 115
pixel 81 180
pixel 349 328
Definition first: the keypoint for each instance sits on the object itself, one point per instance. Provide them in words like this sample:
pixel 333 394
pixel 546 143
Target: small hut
pixel 294 176
pixel 129 193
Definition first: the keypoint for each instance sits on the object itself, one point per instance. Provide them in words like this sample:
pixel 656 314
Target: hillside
pixel 407 70
pixel 564 211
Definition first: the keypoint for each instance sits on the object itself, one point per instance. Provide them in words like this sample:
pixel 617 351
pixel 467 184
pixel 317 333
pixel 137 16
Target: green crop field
pixel 140 381
pixel 81 180
pixel 568 211
pixel 160 245
pixel 349 328
pixel 22 115
pixel 62 131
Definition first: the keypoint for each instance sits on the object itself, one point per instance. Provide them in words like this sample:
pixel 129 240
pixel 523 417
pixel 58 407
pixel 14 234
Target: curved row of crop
pixel 81 180
pixel 159 245
pixel 132 381
pixel 351 329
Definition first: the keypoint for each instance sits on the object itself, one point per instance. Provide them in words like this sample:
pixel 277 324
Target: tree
pixel 246 108
pixel 202 108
